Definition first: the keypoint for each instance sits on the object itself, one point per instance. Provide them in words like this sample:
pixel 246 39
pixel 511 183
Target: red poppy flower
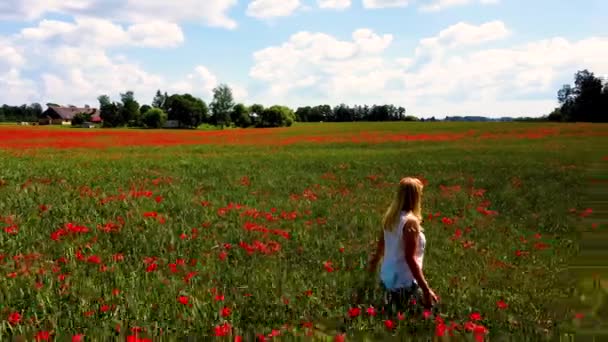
pixel 475 316
pixel 389 324
pixel 94 259
pixel 501 304
pixel 43 336
pixel 426 314
pixel 152 267
pixel 371 311
pixel 14 318
pixel 520 253
pixel 541 246
pixel 440 329
pixel 183 300
pixel 223 330
pixel 77 338
pixel 226 312
pixel 353 312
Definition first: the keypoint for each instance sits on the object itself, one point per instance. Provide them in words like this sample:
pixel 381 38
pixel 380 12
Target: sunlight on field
pixel 266 232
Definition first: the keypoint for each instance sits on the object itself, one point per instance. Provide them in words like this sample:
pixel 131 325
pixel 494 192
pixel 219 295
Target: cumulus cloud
pixel 265 9
pixel 72 63
pixel 317 59
pixel 103 33
pixel 439 5
pixel 374 4
pixel 16 89
pixel 9 57
pixel 209 12
pixel 334 4
pixel 462 35
pixel 475 81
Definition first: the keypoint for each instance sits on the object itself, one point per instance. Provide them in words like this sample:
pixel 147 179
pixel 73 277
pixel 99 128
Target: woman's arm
pixel 377 255
pixel 411 231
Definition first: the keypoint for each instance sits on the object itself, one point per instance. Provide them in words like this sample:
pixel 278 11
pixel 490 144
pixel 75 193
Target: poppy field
pixel 265 234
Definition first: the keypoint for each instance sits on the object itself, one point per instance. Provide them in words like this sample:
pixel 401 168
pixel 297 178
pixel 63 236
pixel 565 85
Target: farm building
pixel 58 115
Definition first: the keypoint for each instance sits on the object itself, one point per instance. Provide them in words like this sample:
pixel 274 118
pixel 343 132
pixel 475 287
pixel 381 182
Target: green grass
pixel 532 184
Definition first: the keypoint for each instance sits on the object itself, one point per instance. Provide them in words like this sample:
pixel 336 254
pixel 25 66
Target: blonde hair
pixel 408 198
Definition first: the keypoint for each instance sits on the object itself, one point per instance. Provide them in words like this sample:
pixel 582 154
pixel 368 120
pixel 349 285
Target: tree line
pixel 23 113
pixel 587 101
pixel 190 111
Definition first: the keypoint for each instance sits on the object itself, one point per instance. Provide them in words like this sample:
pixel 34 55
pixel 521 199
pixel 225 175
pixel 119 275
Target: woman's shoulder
pixel 411 223
pixel 410 217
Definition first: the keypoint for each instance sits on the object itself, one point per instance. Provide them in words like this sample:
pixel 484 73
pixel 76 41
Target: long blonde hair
pixel 408 198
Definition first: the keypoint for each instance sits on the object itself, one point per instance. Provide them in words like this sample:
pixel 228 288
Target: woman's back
pixel 395 272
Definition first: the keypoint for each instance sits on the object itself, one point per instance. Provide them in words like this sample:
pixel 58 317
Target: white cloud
pixel 369 42
pixel 156 34
pixel 265 9
pixel 373 4
pixel 209 12
pixel 334 4
pixel 15 89
pixel 9 57
pixel 462 35
pixel 439 5
pixel 320 60
pixel 318 68
pixel 74 66
pixel 103 33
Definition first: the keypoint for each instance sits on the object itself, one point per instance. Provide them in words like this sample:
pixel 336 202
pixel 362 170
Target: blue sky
pixel 434 57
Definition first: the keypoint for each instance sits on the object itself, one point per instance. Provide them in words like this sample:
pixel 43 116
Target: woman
pixel 402 244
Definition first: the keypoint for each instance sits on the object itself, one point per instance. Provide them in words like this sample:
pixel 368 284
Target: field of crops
pixel 265 233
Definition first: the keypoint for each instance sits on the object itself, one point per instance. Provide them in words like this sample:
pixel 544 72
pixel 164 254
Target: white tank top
pixel 395 272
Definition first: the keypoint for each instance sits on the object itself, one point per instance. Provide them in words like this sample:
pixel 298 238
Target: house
pixel 59 115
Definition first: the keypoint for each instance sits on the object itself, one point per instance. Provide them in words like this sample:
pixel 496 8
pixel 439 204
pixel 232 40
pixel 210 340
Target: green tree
pixel 240 116
pixel 154 118
pixel 81 118
pixel 159 100
pixel 187 109
pixel 605 96
pixel 222 105
pixel 583 102
pixel 556 115
pixel 277 116
pixel 143 109
pixel 401 112
pixel 303 113
pixel 130 109
pixel 110 112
